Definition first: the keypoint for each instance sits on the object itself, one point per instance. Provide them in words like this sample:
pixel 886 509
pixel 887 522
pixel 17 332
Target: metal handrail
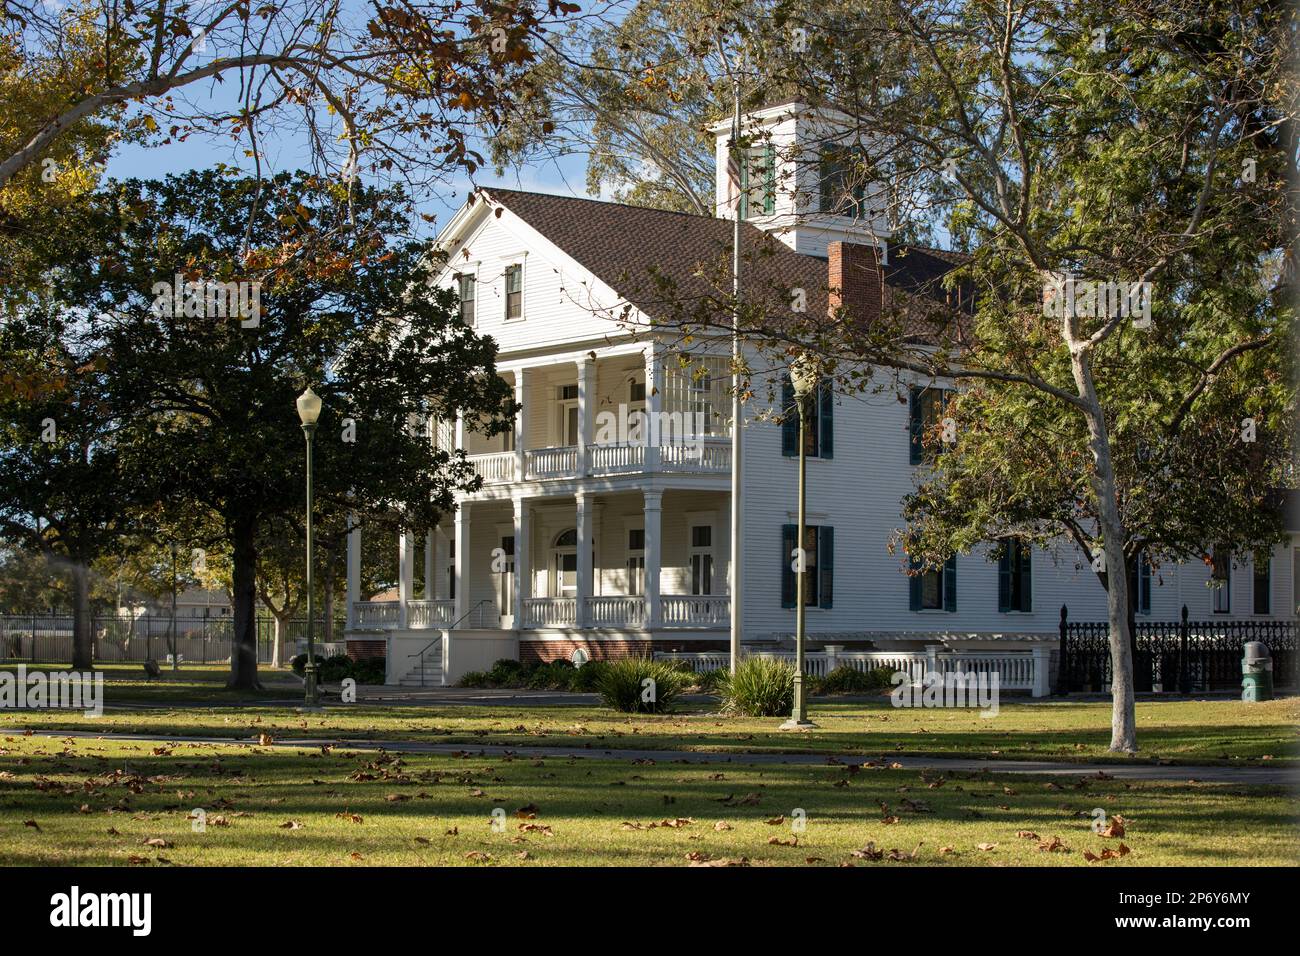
pixel 420 652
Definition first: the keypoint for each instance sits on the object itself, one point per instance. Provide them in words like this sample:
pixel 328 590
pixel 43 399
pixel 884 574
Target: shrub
pixel 710 681
pixel 622 685
pixel 586 679
pixel 846 680
pixel 371 670
pixel 761 687
pixel 505 673
pixel 474 679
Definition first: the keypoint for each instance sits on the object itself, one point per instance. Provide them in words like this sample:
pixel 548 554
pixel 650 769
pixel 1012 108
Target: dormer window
pixel 514 291
pixel 465 289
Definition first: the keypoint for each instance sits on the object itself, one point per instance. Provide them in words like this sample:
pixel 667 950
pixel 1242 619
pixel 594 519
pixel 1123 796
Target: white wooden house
pixel 586 542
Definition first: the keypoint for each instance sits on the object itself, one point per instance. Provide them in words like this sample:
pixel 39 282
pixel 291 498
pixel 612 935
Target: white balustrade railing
pixel 1016 670
pixel 610 459
pixel 552 462
pixel 615 610
pixel 550 612
pixel 376 613
pixel 694 610
pixel 495 467
pixel 430 613
pixel 709 455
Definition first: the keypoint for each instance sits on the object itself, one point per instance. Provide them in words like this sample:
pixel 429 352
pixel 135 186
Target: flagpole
pixel 734 585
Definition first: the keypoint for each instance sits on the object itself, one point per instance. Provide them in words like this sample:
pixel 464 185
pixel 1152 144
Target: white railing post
pixel 1042 677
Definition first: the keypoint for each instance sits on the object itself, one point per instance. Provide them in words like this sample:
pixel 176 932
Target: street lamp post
pixel 803 376
pixel 309 404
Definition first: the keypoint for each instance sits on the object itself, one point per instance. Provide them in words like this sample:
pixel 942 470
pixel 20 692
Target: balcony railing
pixel 710 456
pixel 615 611
pixel 550 612
pixel 695 610
pixel 494 468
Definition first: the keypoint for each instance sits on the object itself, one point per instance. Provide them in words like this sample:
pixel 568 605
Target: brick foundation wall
pixel 367 650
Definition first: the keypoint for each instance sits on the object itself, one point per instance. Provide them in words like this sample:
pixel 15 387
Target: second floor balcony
pixel 710 456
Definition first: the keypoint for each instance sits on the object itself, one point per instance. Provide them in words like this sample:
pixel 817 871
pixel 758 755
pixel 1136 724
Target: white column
pixel 462 560
pixel 654 397
pixel 522 377
pixel 354 570
pixel 653 558
pixel 430 567
pixel 405 575
pixel 523 566
pixel 584 555
pixel 460 430
pixel 586 410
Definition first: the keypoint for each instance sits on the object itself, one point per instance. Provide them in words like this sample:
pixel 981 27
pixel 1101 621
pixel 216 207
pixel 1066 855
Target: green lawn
pixel 66 801
pixel 1195 731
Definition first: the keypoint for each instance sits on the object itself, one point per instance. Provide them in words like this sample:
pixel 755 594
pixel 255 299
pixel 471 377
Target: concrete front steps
pixel 432 670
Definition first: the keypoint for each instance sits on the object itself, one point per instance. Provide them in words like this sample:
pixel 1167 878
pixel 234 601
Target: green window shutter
pixel 790 422
pixel 826 565
pixel 769 180
pixel 950 584
pixel 1026 570
pixel 742 160
pixel 826 427
pixel 914 424
pixel 1004 577
pixel 914 586
pixel 788 534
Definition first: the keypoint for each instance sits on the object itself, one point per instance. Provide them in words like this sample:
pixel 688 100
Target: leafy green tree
pixel 208 397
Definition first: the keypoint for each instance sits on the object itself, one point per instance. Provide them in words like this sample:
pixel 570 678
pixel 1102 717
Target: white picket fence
pixel 1017 670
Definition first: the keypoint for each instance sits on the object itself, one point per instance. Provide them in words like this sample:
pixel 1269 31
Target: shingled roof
pixel 636 251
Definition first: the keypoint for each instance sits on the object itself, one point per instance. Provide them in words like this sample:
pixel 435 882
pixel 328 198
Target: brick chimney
pixel 855 281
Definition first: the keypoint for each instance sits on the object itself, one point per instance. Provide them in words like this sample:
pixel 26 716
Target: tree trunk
pixel 83 641
pixel 1123 719
pixel 276 641
pixel 243 651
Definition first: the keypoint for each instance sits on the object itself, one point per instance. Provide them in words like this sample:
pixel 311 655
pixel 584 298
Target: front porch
pixel 584 571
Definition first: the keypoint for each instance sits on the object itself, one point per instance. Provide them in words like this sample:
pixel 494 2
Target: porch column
pixel 460 430
pixel 586 412
pixel 430 566
pixel 462 560
pixel 653 558
pixel 584 555
pixel 522 377
pixel 523 567
pixel 654 397
pixel 354 570
pixel 405 576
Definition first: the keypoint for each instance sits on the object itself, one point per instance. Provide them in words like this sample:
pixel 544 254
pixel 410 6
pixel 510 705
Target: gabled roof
pixel 657 259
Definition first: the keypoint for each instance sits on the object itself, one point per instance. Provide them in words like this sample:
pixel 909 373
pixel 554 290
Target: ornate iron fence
pixel 1183 656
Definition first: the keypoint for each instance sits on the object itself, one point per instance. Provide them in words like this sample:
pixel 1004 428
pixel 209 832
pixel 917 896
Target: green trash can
pixel 1256 672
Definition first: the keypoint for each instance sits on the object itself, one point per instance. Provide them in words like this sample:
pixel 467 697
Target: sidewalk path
pixel 1253 776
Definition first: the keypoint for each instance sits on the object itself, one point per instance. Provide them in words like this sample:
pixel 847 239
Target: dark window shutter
pixel 790 423
pixel 950 584
pixel 769 180
pixel 1026 577
pixel 826 565
pixel 743 160
pixel 914 587
pixel 1004 577
pixel 826 427
pixel 788 533
pixel 916 455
